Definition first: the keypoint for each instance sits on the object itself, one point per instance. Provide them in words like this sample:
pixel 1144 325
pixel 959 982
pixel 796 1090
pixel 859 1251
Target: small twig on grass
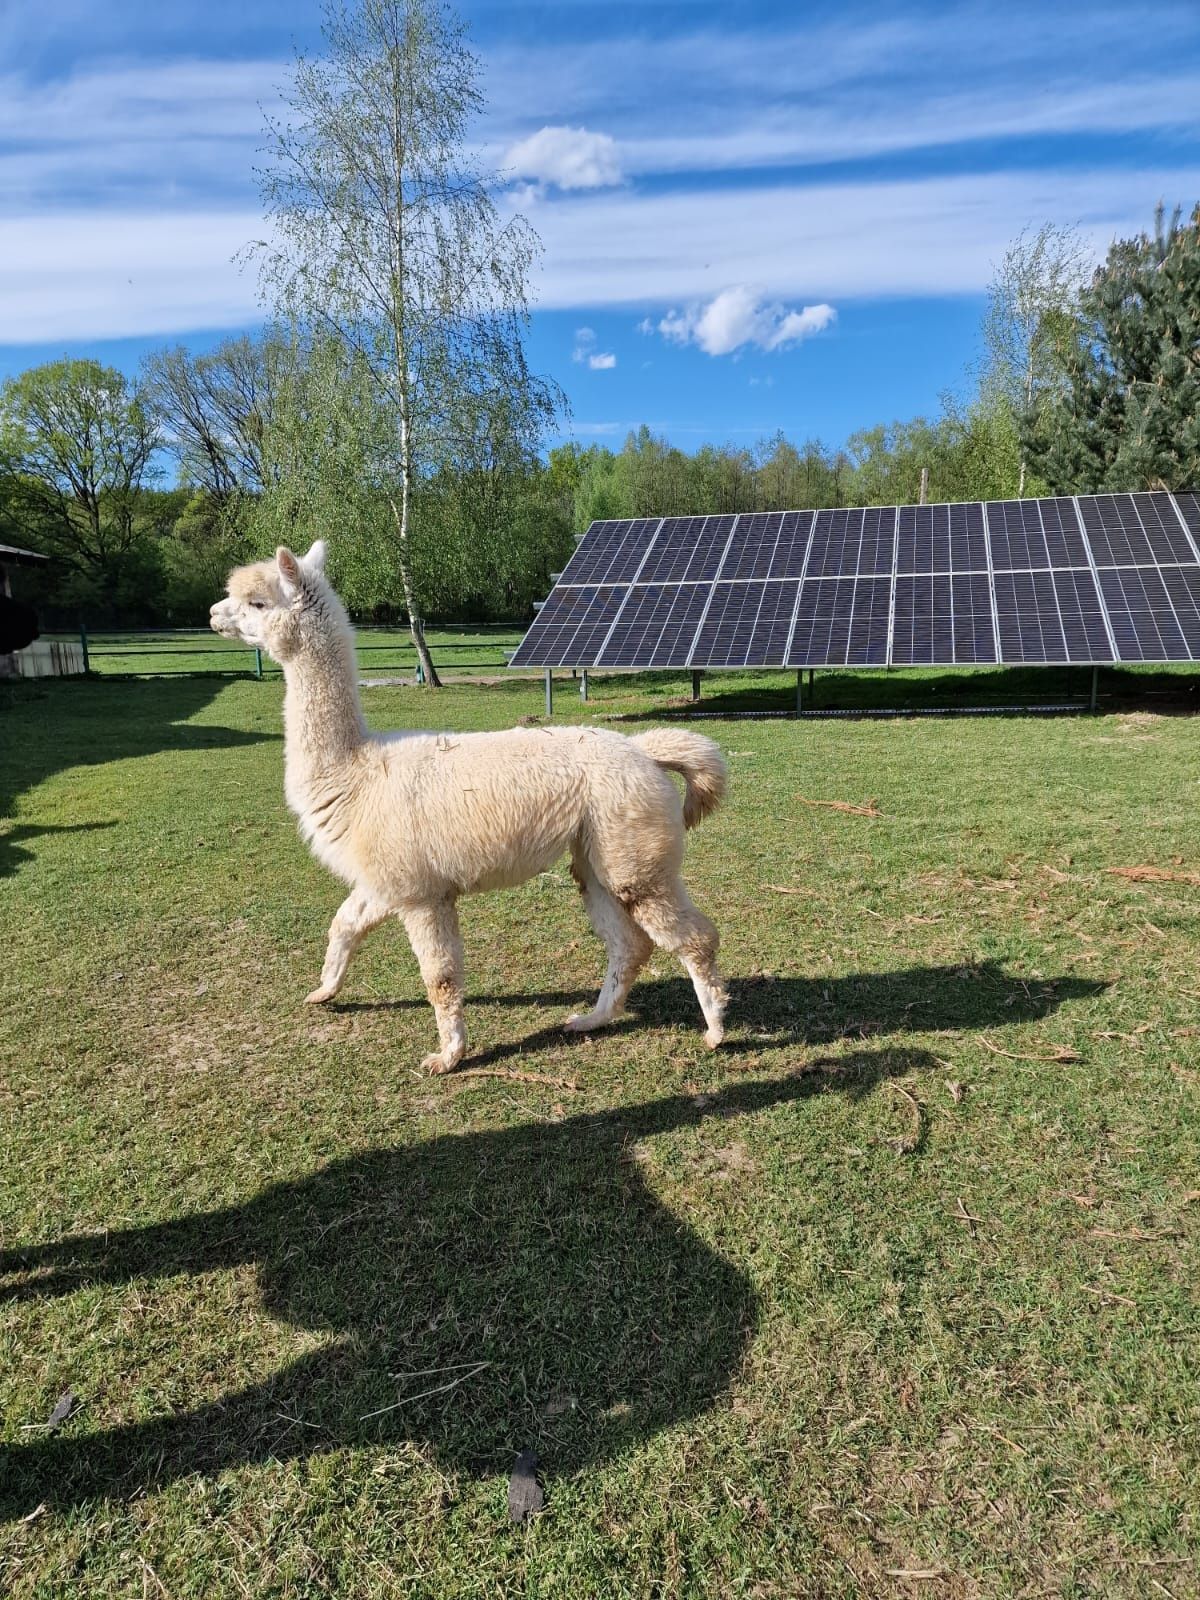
pixel 411 1399
pixel 516 1077
pixel 1059 1053
pixel 1154 875
pixel 911 1141
pixel 922 1574
pixel 1107 1294
pixel 871 809
pixel 964 1215
pixel 782 888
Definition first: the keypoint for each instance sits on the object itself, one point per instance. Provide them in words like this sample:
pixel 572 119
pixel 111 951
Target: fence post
pixel 258 663
pixel 549 694
pixel 84 644
pixel 583 685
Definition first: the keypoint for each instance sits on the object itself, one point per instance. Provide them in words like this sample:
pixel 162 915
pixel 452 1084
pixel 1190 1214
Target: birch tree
pixel 1030 309
pixel 384 234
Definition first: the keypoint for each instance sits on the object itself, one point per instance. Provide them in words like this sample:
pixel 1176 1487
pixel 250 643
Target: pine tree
pixel 1128 414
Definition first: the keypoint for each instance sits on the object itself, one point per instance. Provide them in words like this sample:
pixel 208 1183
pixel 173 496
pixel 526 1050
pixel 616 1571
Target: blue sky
pixel 753 216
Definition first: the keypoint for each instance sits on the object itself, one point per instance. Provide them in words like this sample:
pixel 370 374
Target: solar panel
pixel 1130 530
pixel 655 627
pixel 1155 612
pixel 1050 617
pixel 1061 579
pixel 841 622
pixel 687 550
pixel 571 627
pixel 746 625
pixel 610 552
pixel 943 619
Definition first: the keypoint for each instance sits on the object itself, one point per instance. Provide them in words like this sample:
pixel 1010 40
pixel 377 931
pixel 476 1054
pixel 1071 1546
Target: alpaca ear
pixel 314 561
pixel 290 575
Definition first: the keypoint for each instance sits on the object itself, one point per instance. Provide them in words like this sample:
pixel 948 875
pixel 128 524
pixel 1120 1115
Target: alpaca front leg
pixel 437 945
pixel 356 916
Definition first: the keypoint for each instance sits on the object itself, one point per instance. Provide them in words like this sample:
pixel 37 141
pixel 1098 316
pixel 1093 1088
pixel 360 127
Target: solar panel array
pixel 1089 579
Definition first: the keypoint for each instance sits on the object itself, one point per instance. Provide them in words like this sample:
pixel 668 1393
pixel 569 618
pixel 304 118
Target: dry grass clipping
pixel 871 809
pixel 1154 875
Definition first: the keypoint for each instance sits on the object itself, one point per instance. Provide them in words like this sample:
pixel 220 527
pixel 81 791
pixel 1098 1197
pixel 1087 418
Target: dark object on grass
pixel 18 625
pixel 63 1408
pixel 525 1496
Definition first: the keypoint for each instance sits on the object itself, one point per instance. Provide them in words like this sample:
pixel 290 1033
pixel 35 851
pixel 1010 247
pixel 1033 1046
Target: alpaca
pixel 411 821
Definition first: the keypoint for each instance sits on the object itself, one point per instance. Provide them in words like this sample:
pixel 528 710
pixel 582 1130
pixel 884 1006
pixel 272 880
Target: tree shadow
pixel 782 1012
pixel 486 1292
pixel 48 726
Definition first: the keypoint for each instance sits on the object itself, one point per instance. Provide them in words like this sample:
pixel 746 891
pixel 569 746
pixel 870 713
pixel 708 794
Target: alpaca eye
pixel 259 605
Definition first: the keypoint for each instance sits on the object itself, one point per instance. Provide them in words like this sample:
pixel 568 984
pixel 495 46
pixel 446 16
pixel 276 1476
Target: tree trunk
pixel 416 623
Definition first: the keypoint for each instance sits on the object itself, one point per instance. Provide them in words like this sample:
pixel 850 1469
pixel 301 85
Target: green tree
pixel 77 445
pixel 1031 309
pixel 385 234
pixel 1128 413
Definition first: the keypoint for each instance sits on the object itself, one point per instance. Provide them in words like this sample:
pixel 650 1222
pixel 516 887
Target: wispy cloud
pixel 740 316
pixel 586 354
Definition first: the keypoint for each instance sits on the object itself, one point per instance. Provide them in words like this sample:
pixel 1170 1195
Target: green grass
pixel 382 652
pixel 881 1288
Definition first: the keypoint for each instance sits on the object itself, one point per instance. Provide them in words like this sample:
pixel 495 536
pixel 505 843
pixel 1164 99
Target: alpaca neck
pixel 322 716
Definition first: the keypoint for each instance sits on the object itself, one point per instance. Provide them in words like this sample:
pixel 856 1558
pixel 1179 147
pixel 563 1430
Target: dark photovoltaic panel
pixel 1097 578
pixel 940 539
pixel 610 552
pixel 1155 612
pixel 656 627
pixel 747 625
pixel 687 550
pixel 571 627
pixel 1133 530
pixel 847 544
pixel 1050 617
pixel 769 544
pixel 841 622
pixel 943 618
pixel 1034 535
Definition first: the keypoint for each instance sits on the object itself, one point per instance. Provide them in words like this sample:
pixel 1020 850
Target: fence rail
pixel 179 652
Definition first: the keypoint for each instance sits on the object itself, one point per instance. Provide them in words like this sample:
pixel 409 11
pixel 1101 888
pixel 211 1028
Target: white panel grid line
pixel 1187 532
pixel 791 638
pixel 991 578
pixel 892 590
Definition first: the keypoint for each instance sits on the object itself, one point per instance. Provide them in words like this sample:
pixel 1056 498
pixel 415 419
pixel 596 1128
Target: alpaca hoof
pixel 585 1021
pixel 319 996
pixel 437 1066
pixel 714 1037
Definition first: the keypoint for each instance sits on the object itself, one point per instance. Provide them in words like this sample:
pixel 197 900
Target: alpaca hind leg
pixel 627 946
pixel 355 917
pixel 437 945
pixel 673 922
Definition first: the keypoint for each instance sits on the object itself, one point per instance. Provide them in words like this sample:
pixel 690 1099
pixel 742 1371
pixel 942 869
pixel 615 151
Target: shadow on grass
pixel 780 1013
pixel 47 727
pixel 484 1292
pixel 1035 691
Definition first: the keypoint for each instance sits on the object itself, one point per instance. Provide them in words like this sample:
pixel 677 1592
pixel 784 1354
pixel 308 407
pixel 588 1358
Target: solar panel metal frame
pixel 1117 535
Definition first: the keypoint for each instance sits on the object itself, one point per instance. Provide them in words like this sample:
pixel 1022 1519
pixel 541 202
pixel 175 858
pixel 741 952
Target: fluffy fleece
pixel 411 821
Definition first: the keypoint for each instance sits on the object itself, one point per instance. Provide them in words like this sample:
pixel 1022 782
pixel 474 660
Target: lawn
pixel 894 1294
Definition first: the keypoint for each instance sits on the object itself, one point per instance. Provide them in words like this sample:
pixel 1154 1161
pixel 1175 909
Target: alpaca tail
pixel 698 761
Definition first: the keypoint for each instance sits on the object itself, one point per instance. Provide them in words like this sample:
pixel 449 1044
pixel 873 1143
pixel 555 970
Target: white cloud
pixel 826 242
pixel 740 316
pixel 569 158
pixel 585 351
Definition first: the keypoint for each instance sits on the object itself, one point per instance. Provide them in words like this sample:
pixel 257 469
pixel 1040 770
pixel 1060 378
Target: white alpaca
pixel 411 821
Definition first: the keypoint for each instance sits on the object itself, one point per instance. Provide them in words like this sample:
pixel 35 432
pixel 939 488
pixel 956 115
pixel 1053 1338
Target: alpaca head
pixel 284 606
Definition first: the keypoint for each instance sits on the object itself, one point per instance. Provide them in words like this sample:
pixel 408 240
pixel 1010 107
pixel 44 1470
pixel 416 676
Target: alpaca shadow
pixel 89 723
pixel 482 1293
pixel 780 1013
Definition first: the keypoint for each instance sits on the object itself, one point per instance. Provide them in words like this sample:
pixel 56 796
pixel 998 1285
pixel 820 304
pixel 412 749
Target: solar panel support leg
pixel 695 687
pixel 799 690
pixel 583 684
pixel 811 693
pixel 549 693
pixel 1095 688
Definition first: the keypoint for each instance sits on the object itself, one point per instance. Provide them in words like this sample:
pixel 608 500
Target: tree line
pixel 387 400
